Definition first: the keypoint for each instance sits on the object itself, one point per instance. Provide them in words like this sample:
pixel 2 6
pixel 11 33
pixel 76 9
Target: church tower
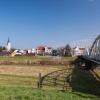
pixel 8 46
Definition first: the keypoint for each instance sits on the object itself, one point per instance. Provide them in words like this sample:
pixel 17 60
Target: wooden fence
pixel 60 79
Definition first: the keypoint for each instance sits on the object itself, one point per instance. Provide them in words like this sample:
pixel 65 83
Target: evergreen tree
pixel 67 50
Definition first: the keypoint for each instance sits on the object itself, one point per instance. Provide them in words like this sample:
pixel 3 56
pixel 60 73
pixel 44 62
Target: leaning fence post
pixel 39 81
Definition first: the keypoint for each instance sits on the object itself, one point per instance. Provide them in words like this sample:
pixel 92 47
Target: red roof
pixel 40 48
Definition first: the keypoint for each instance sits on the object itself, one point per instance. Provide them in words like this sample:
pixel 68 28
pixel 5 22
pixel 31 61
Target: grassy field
pixel 23 87
pixel 19 82
pixel 32 60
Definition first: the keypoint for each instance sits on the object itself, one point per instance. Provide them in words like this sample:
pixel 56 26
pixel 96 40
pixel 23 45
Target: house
pixel 78 51
pixel 48 50
pixel 29 51
pixel 40 50
pixel 33 51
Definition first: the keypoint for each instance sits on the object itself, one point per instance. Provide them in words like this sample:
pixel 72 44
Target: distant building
pixel 78 51
pixel 54 52
pixel 17 52
pixel 40 50
pixel 33 51
pixel 48 50
pixel 8 46
pixel 29 51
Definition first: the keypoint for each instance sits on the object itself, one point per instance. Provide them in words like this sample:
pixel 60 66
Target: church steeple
pixel 8 46
pixel 8 41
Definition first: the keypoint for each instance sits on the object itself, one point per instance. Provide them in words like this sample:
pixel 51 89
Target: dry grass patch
pixel 97 71
pixel 28 70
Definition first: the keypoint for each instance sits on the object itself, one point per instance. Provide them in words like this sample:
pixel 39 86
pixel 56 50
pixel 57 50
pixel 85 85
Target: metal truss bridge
pixel 93 58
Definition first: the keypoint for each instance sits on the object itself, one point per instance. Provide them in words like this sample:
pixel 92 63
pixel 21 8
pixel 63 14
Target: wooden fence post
pixel 39 81
pixel 55 81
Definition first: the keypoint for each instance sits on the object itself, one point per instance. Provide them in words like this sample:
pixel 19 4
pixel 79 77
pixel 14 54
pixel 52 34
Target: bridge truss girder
pixel 95 49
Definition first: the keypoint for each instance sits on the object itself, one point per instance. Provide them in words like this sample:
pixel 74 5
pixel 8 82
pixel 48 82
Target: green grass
pixel 15 80
pixel 21 58
pixel 26 93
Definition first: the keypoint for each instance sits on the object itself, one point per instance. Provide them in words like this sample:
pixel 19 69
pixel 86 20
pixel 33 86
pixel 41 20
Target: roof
pixel 40 48
pixel 77 48
pixel 82 48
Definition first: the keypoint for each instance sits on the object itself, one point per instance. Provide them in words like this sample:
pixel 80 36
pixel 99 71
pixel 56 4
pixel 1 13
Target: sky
pixel 30 23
